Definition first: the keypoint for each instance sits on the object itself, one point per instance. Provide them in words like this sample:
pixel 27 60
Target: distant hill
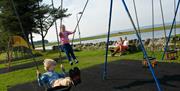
pixel 143 27
pixel 40 42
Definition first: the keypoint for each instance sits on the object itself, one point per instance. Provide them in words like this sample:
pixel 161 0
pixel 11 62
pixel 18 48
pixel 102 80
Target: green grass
pixel 86 58
pixel 50 54
pixel 2 56
pixel 178 35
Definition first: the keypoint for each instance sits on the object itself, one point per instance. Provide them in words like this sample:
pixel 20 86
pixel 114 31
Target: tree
pixel 35 18
pixel 4 38
pixel 25 9
pixel 46 18
pixel 9 19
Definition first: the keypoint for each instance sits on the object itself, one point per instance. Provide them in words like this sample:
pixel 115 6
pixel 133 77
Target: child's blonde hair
pixel 48 63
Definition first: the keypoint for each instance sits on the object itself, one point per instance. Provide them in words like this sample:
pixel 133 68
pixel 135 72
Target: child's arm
pixel 62 68
pixel 39 77
pixel 69 32
pixel 42 79
pixel 38 73
pixel 63 74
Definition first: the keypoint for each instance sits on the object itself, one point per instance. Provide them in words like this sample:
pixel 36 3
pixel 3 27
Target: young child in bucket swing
pixel 54 79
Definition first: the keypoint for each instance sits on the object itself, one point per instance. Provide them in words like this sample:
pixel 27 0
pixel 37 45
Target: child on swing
pixel 54 79
pixel 66 45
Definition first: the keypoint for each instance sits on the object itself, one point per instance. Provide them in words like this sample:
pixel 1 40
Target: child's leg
pixel 72 52
pixel 66 50
pixel 63 82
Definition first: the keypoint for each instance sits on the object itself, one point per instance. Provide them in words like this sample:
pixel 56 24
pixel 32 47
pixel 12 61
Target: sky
pixel 96 16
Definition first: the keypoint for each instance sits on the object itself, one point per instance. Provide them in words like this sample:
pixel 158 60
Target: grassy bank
pixel 178 35
pixel 121 33
pixel 86 58
pixel 128 33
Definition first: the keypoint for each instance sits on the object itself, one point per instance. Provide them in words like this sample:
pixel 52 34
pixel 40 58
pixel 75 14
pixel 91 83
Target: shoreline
pixel 126 33
pixel 116 34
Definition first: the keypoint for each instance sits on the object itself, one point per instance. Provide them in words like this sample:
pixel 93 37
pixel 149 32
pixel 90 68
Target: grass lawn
pixel 2 56
pixel 86 58
pixel 24 61
pixel 178 35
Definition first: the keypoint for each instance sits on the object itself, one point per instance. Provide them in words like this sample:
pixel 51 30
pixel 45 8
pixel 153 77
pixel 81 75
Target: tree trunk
pixel 32 42
pixel 27 37
pixel 43 43
pixel 9 54
pixel 41 27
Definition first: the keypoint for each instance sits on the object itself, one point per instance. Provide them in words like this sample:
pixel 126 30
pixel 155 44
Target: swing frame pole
pixel 57 33
pixel 107 44
pixel 79 21
pixel 143 49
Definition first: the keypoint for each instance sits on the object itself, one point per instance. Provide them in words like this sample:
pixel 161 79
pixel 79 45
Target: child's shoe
pixel 71 62
pixel 76 61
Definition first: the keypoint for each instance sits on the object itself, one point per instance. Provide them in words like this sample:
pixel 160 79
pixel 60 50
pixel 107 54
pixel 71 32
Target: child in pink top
pixel 64 37
pixel 66 45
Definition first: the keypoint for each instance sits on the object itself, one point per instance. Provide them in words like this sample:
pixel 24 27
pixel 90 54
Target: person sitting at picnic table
pixel 119 42
pixel 121 46
pixel 125 44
